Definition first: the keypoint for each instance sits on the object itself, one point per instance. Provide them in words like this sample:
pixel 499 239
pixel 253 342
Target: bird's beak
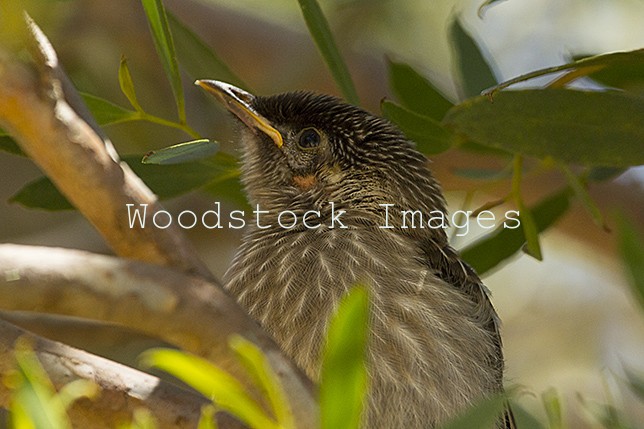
pixel 239 102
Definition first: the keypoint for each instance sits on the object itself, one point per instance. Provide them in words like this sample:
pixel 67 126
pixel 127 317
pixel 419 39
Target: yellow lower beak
pixel 239 102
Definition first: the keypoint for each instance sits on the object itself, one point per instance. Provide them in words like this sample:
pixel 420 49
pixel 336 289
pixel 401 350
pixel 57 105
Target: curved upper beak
pixel 240 103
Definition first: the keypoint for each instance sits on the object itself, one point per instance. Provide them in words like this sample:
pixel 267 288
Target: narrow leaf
pixel 127 85
pixel 472 67
pixel 319 29
pixel 107 113
pixel 500 244
pixel 636 382
pixel 343 383
pixel 578 127
pixel 207 419
pixel 430 136
pixel 183 152
pixel 164 45
pixel 581 191
pixel 166 181
pixel 415 92
pixel 226 391
pixel 599 64
pixel 624 70
pixel 631 246
pixel 198 59
pixel 261 372
pixel 485 6
pixel 552 404
pixel 8 144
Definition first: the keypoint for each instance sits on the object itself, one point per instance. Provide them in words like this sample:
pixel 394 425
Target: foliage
pixel 586 135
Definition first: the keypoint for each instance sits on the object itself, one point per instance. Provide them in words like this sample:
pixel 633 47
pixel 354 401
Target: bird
pixel 433 346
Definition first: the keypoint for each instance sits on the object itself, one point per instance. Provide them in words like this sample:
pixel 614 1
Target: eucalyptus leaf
pixel 107 113
pixel 197 58
pixel 127 85
pixel 8 144
pixel 430 136
pixel 580 127
pixel 631 247
pixel 226 391
pixel 473 69
pixel 343 384
pixel 166 181
pixel 415 92
pixel 495 247
pixel 164 45
pixel 319 29
pixel 183 152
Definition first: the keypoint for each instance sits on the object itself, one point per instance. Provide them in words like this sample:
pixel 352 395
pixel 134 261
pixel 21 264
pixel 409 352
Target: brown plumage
pixel 434 345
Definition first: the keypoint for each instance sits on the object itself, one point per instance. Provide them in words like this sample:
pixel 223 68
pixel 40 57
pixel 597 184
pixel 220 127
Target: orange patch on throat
pixel 304 182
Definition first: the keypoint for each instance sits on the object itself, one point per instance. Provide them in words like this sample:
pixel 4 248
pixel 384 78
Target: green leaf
pixel 198 59
pixel 182 152
pixel 482 415
pixel 552 404
pixel 343 384
pixel 602 174
pixel 580 187
pixel 472 68
pixel 487 252
pixel 415 92
pixel 579 127
pixel 624 70
pixel 34 402
pixel 107 113
pixel 631 247
pixel 127 85
pixel 319 29
pixel 164 45
pixel 8 144
pixel 624 63
pixel 41 194
pixel 636 382
pixel 166 181
pixel 524 419
pixel 485 6
pixel 265 379
pixel 226 391
pixel 482 173
pixel 430 136
pixel 207 419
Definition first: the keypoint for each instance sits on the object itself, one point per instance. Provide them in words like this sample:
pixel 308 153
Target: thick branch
pixel 183 310
pixel 35 110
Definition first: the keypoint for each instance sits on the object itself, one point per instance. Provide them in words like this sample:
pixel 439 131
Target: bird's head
pixel 303 150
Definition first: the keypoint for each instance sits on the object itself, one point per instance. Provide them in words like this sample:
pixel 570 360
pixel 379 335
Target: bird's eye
pixel 309 138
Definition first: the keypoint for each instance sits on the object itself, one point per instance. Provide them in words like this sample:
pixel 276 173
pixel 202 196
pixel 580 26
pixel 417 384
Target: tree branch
pixel 183 310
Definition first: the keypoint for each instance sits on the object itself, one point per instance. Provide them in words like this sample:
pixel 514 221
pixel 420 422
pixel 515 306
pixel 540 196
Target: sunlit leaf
pixel 415 92
pixel 487 252
pixel 164 45
pixel 258 367
pixel 107 113
pixel 343 384
pixel 631 246
pixel 77 389
pixel 34 402
pixel 579 127
pixel 198 59
pixel 182 152
pixel 473 69
pixel 226 391
pixel 552 404
pixel 127 85
pixel 207 419
pixel 429 135
pixel 319 29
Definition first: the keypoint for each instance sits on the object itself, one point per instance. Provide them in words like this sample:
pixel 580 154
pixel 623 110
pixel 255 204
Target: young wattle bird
pixel 434 346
